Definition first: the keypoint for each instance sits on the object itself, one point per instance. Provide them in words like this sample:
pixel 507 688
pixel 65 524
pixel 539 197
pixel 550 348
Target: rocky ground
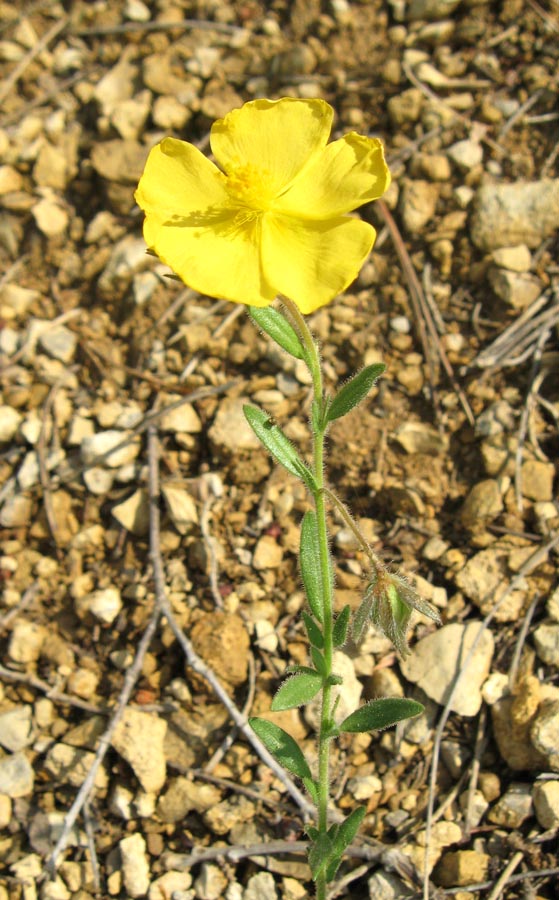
pixel 115 377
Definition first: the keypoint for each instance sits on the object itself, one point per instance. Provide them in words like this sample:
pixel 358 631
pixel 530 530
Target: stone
pixel 133 513
pixel 70 765
pixel 50 217
pixel 418 202
pixel 169 113
pixel 230 430
pixel 5 811
pixel 181 419
pixel 104 448
pixel 483 504
pixel 60 343
pixel 261 887
pixel 183 796
pixel 537 480
pixel 512 718
pixel 513 808
pixel 466 154
pixel 222 641
pixel 16 511
pixel 26 641
pixel 18 299
pixel 104 605
pixel 55 166
pixel 137 11
pixel 436 660
pixel 135 865
pixel 417 437
pixel 546 639
pixel 544 733
pixel 10 180
pixel 405 107
pixel 129 116
pixel 386 886
pixel 16 728
pixel 16 776
pixel 115 86
pixel 432 10
pixel 98 481
pixel 10 420
pixel 83 683
pixel 268 554
pixel 461 867
pixel 211 883
pixel 518 289
pixel 181 508
pixel 139 738
pixel 505 215
pixel 546 803
pixel 483 580
pixel 119 161
pixel 169 885
pixel 443 834
pixel 515 259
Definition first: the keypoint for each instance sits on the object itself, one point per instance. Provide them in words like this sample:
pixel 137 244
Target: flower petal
pixel 276 137
pixel 346 174
pixel 178 180
pixel 311 262
pixel 221 259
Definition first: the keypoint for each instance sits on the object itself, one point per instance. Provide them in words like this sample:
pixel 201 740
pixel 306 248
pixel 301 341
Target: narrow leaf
pixel 339 634
pixel 319 855
pixel 352 393
pixel 379 714
pixel 297 669
pixel 296 691
pixel 275 441
pixel 278 328
pixel 318 661
pixel 282 747
pixel 312 789
pixel 309 560
pixel 342 838
pixel 313 631
pixel 362 617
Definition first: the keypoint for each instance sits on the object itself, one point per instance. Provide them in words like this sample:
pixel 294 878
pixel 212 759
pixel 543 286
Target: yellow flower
pixel 272 219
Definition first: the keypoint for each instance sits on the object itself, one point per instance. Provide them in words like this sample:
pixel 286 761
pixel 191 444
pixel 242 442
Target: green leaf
pixel 276 443
pixel 342 838
pixel 278 328
pixel 334 679
pixel 379 714
pixel 319 855
pixel 282 747
pixel 313 631
pixel 297 669
pixel 363 616
pixel 309 560
pixel 339 634
pixel 296 691
pixel 318 661
pixel 312 789
pixel 352 393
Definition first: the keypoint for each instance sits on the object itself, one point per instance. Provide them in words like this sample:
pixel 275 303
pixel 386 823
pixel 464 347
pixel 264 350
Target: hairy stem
pixel 313 361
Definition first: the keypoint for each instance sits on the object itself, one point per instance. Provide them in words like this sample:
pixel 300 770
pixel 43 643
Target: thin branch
pixel 193 660
pixel 35 51
pixel 15 611
pixel 82 797
pixel 505 875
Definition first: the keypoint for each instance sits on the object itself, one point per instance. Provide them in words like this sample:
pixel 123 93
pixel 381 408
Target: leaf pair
pixel 327 850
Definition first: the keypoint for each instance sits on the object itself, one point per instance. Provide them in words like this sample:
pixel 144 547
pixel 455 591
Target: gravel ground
pixel 150 592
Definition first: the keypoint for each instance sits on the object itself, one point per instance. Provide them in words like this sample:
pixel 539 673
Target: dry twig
pixel 192 658
pixel 84 793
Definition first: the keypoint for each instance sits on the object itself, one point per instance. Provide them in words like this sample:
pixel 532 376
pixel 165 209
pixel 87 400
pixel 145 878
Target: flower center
pixel 250 188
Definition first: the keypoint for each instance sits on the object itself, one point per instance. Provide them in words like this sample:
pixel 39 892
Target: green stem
pixel 313 361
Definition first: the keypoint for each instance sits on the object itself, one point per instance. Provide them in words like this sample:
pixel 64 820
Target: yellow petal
pixel 178 180
pixel 221 260
pixel 274 137
pixel 346 174
pixel 311 262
